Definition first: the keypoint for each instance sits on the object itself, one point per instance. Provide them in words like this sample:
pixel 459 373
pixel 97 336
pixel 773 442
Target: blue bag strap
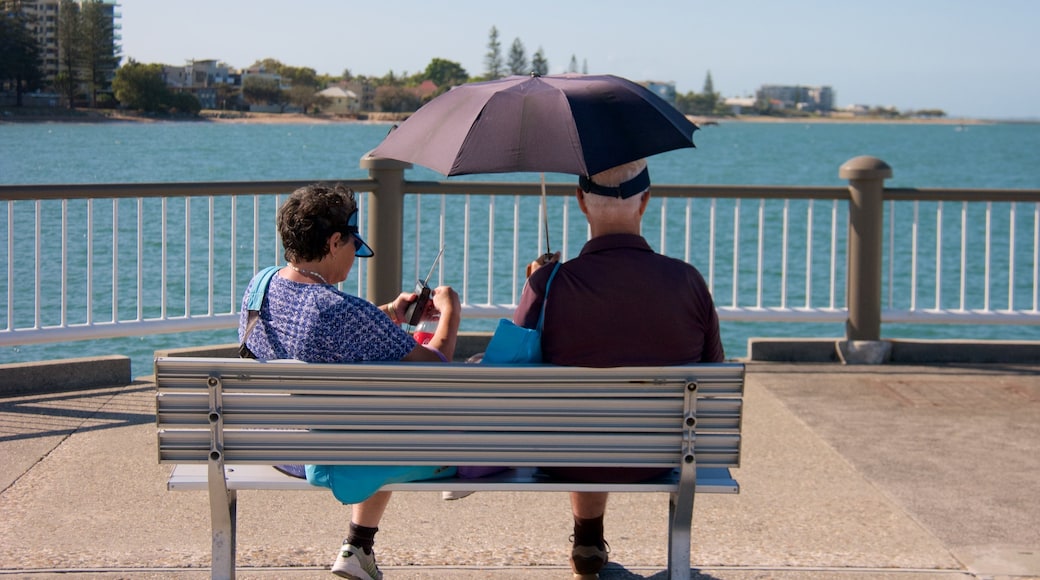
pixel 259 284
pixel 257 291
pixel 541 315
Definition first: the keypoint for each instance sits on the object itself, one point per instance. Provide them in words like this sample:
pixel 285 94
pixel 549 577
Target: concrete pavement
pixel 850 472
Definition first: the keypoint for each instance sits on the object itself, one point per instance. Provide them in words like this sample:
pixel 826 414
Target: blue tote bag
pixel 512 344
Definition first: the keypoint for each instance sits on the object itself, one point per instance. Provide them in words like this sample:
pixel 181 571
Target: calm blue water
pixel 925 156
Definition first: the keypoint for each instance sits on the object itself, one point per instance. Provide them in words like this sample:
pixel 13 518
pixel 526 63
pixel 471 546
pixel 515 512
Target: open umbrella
pixel 572 123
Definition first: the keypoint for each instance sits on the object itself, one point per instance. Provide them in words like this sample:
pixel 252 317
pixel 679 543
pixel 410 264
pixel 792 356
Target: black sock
pixel 362 537
pixel 588 532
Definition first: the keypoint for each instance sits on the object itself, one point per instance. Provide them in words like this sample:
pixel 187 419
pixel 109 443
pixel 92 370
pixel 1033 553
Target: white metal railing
pixel 962 256
pixel 86 262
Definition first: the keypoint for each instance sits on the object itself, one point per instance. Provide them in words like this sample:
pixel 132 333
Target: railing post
pixel 866 177
pixel 385 227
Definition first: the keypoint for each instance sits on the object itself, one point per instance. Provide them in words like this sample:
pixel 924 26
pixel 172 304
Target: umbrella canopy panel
pixel 577 124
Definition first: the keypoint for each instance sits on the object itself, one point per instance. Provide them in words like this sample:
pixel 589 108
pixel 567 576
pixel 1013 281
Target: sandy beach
pixel 238 117
pixel 48 115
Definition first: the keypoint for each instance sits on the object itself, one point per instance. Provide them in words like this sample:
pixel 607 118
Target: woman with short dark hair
pixel 304 316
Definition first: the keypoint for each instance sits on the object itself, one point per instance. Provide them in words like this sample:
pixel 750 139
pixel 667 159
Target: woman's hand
pixel 446 307
pixel 444 299
pixel 396 308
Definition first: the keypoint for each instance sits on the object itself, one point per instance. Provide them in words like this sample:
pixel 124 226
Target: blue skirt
pixel 356 483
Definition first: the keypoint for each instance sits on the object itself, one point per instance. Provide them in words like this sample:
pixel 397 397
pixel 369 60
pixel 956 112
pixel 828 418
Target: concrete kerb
pixel 894 351
pixel 73 374
pixel 70 374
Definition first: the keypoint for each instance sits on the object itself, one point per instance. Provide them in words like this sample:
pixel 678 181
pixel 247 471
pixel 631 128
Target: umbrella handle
pixel 545 221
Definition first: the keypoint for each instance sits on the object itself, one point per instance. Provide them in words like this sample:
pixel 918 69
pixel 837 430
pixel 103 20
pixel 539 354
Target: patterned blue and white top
pixel 318 323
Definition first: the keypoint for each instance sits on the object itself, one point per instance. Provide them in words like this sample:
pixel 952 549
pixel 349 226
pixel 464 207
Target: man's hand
pixel 541 261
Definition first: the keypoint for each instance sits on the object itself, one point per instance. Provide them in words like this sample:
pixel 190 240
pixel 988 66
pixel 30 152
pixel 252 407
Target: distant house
pixel 365 91
pixel 340 101
pixel 740 105
pixel 214 83
pixel 259 71
pixel 665 90
pixel 425 90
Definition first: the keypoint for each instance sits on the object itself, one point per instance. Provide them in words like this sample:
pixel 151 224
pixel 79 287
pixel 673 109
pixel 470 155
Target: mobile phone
pixel 413 314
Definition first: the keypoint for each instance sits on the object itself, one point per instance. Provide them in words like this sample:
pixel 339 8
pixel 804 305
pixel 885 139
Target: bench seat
pixel 222 424
pixel 194 477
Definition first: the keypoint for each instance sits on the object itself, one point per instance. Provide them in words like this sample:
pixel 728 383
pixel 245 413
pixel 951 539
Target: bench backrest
pixel 247 411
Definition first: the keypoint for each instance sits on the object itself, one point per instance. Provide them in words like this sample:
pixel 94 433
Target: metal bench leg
pixel 680 518
pixel 223 504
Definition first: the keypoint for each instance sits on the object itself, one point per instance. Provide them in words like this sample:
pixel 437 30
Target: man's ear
pixel 645 199
pixel 581 200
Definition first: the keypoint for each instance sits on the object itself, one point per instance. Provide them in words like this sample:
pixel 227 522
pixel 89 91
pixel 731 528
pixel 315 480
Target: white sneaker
pixel 450 495
pixel 354 564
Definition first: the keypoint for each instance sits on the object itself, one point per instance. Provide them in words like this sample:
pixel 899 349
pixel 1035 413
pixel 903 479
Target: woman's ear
pixel 335 241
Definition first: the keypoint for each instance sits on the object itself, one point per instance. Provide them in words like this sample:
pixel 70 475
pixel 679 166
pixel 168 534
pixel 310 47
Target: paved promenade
pixel 850 472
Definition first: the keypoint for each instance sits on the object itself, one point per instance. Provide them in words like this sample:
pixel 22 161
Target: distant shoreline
pixel 235 117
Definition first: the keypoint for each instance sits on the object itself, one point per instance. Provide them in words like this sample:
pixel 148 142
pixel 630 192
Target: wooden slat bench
pixel 223 422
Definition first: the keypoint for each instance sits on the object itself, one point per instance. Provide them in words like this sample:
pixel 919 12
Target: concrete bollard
pixel 866 177
pixel 385 228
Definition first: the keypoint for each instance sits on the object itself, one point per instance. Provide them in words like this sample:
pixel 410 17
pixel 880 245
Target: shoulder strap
pixel 258 290
pixel 545 298
pixel 260 282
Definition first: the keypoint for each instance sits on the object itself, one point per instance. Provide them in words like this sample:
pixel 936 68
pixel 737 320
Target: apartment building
pixel 215 84
pixel 44 17
pixel 797 97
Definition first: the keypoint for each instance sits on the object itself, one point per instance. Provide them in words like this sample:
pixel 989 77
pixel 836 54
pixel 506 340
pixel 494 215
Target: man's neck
pixel 614 228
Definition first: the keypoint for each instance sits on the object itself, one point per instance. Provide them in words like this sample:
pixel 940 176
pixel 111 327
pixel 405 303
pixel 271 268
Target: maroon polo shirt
pixel 619 303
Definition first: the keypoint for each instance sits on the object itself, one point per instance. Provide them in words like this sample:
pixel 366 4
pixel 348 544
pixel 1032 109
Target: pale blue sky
pixel 971 58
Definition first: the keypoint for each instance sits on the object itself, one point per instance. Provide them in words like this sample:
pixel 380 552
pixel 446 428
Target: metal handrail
pixel 712 216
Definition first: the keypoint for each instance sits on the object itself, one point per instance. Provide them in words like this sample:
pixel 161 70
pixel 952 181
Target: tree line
pixel 86 60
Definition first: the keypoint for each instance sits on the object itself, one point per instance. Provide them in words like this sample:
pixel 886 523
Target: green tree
pixel 707 102
pixel 69 53
pixel 518 64
pixel 493 57
pixel 390 79
pixel 445 73
pixel 539 64
pixel 304 97
pixel 395 99
pixel 300 76
pixel 182 103
pixel 573 67
pixel 98 49
pixel 226 95
pixel 930 113
pixel 141 86
pixel 684 102
pixel 269 65
pixel 262 90
pixel 19 55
